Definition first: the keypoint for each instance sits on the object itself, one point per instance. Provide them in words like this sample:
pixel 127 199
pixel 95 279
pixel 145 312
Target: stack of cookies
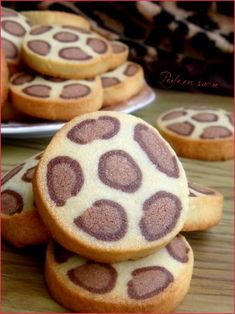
pixel 61 69
pixel 110 196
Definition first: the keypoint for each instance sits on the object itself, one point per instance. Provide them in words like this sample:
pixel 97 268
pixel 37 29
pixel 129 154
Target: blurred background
pixel 186 46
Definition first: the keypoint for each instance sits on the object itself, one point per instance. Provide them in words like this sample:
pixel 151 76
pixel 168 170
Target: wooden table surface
pixel 23 288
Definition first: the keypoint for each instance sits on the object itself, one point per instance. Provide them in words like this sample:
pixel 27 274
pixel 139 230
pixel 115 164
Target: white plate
pixel 47 129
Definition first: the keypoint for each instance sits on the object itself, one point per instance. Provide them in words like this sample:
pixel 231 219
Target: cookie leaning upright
pixel 156 283
pixel 199 132
pixel 4 79
pixel 13 29
pixel 66 51
pixel 110 188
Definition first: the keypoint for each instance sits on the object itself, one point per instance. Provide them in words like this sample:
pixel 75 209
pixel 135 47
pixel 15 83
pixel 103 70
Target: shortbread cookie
pixel 56 18
pixel 122 83
pixel 110 188
pixel 55 99
pixel 4 80
pixel 66 51
pixel 14 27
pixel 21 224
pixel 199 132
pixel 119 54
pixel 156 283
pixel 205 208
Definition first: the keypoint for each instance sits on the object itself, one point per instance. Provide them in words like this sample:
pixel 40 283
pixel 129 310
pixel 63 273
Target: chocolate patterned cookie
pixel 21 223
pixel 119 54
pixel 4 79
pixel 66 51
pixel 109 187
pixel 156 283
pixel 199 132
pixel 55 99
pixel 122 83
pixel 56 18
pixel 13 29
pixel 205 208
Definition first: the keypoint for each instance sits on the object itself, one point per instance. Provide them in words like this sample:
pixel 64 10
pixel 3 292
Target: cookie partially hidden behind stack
pixel 199 132
pixel 109 187
pixel 156 283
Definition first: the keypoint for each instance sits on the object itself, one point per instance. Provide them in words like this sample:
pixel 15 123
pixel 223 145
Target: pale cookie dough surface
pixel 198 123
pixel 142 285
pixel 13 29
pixel 122 83
pixel 66 46
pixel 54 98
pixel 109 184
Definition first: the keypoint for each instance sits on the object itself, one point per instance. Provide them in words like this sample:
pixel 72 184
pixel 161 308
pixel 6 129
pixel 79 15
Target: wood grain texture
pixel 23 287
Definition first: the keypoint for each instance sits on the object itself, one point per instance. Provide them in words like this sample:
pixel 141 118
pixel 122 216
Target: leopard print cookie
pixel 205 208
pixel 4 79
pixel 119 56
pixel 13 29
pixel 110 188
pixel 156 283
pixel 21 223
pixel 122 83
pixel 53 98
pixel 66 51
pixel 56 18
pixel 199 132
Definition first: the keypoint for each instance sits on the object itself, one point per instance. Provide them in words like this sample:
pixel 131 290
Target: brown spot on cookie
pixel 74 53
pixel 40 47
pixel 98 45
pixel 40 29
pixel 118 48
pixel 156 150
pixel 8 12
pixel 94 277
pixel 181 128
pixel 75 90
pixel 28 175
pixel 12 173
pixel 118 170
pixel 174 115
pixel 200 189
pixel 105 220
pixel 78 29
pixel 61 254
pixel 9 48
pixel 13 28
pixel 41 91
pixel 161 214
pixel 205 117
pixel 131 69
pixel 231 118
pixel 149 281
pixel 178 249
pixel 12 202
pixel 89 130
pixel 66 37
pixel 64 179
pixel 212 132
pixel 109 81
pixel 22 78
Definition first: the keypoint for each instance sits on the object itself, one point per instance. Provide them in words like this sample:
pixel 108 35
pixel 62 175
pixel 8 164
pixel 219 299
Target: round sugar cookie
pixel 122 83
pixel 199 132
pixel 205 208
pixel 156 283
pixel 55 99
pixel 56 18
pixel 4 79
pixel 21 223
pixel 13 29
pixel 119 55
pixel 110 188
pixel 66 51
